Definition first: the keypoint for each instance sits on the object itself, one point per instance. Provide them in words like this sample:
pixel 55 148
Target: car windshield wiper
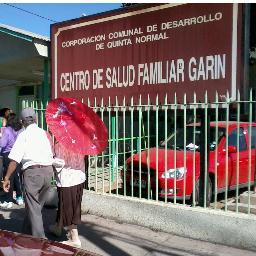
pixel 192 149
pixel 177 147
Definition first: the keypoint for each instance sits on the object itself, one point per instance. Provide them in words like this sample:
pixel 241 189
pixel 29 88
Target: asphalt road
pixel 107 237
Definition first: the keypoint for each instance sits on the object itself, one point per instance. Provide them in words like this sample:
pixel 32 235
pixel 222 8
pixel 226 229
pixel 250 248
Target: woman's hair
pixel 14 122
pixel 3 111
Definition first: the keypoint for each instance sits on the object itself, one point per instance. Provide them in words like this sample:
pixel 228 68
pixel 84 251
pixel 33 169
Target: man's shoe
pixel 73 244
pixel 55 230
pixel 19 200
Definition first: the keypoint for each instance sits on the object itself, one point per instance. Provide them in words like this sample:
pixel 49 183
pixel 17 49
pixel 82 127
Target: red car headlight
pixel 170 174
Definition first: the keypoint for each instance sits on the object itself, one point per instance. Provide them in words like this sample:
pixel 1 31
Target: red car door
pixel 243 152
pixel 252 159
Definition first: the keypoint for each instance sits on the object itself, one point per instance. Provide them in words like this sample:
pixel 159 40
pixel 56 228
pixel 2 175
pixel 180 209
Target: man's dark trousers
pixel 37 182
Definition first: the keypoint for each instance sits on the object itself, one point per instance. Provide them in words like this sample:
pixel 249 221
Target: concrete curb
pixel 237 230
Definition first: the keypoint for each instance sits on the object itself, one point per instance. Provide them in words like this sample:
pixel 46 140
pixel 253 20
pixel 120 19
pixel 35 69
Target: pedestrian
pixel 9 136
pixel 33 150
pixel 4 114
pixel 70 177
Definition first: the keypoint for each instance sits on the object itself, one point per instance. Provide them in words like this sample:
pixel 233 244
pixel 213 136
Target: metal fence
pixel 190 153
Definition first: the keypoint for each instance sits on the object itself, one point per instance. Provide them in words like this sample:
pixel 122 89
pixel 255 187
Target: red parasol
pixel 76 126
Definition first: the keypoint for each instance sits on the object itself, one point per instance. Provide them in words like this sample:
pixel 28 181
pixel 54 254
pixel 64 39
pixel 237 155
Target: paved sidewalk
pixel 107 237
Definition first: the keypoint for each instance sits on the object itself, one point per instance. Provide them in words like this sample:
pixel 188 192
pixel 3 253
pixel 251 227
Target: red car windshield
pixel 193 137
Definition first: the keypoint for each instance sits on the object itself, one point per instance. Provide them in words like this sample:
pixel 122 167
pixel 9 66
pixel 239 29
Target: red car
pixel 142 168
pixel 15 244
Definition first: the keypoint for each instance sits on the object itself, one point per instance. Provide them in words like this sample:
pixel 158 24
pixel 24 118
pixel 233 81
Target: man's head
pixel 28 116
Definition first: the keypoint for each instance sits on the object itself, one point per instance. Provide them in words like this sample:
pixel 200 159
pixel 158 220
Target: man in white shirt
pixel 33 150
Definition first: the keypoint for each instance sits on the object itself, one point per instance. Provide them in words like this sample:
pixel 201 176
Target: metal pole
pixel 204 147
pixel 46 93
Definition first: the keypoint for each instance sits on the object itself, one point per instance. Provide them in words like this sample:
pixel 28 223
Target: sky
pixel 55 12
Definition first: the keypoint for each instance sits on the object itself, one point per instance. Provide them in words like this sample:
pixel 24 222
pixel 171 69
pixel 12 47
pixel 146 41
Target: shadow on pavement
pixel 14 222
pixel 112 241
pixel 98 239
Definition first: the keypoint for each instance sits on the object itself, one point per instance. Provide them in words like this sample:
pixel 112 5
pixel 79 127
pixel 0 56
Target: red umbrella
pixel 76 126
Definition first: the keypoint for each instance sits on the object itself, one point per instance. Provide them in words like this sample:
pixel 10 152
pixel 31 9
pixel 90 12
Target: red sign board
pixel 148 50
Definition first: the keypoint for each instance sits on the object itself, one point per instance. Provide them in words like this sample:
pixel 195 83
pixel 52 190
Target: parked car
pixel 15 244
pixel 140 174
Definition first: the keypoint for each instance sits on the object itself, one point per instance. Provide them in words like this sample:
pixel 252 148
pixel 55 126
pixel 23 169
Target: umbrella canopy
pixel 76 126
